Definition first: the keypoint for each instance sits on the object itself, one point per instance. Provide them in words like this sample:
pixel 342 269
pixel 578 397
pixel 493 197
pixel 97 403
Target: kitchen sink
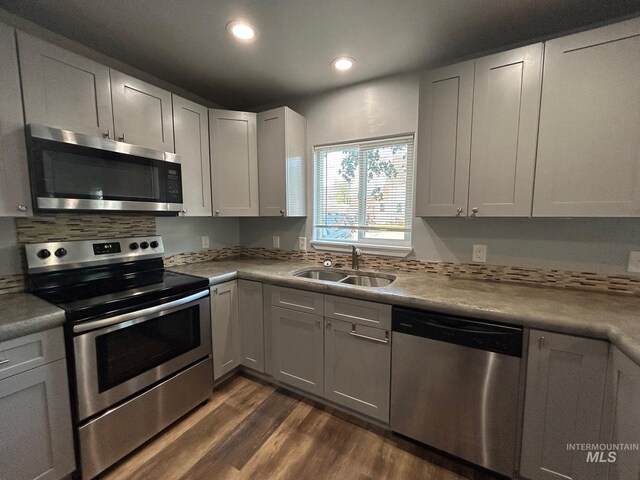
pixel 350 277
pixel 369 280
pixel 321 274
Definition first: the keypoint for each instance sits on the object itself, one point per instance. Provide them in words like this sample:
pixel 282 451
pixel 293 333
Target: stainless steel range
pixel 139 338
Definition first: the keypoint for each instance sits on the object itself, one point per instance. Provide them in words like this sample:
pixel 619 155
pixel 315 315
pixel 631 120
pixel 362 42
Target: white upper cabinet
pixel 281 163
pixel 142 113
pixel 234 163
pixel 191 130
pixel 589 145
pixel 506 106
pixel 444 141
pixel 15 196
pixel 64 90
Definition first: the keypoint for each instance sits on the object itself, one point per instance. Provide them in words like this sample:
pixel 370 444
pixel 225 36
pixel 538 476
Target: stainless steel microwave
pixel 72 171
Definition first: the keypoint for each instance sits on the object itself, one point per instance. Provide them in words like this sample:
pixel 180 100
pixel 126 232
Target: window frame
pixel 392 247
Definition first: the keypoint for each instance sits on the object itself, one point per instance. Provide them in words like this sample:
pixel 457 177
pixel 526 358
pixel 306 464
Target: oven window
pixel 69 175
pixel 131 351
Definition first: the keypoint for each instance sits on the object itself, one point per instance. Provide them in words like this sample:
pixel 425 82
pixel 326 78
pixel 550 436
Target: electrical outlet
pixel 205 241
pixel 479 254
pixel 302 244
pixel 634 262
pixel 276 241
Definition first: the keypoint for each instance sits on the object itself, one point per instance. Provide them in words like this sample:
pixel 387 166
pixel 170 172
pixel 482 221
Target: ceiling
pixel 185 42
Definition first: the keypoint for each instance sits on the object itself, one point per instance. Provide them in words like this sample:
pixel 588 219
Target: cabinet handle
pixel 121 138
pixel 540 342
pixel 459 211
pixel 23 208
pixel 317 322
pixel 474 210
pixel 328 324
pixel 365 337
pixel 183 212
pixel 3 361
pixel 217 212
pixel 108 134
pixel 282 212
pixel 215 291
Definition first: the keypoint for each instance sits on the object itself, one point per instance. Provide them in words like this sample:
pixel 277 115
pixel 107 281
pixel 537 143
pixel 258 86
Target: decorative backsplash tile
pixel 69 227
pixel 11 283
pixel 201 256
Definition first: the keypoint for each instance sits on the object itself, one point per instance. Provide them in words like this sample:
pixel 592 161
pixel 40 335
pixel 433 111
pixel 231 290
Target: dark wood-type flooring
pixel 252 430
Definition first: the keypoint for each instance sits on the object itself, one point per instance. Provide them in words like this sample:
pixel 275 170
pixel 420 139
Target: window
pixel 363 193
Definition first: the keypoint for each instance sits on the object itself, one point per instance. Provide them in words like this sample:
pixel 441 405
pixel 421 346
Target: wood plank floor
pixel 251 430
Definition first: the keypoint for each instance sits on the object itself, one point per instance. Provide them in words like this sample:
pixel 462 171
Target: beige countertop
pixel 22 314
pixel 599 315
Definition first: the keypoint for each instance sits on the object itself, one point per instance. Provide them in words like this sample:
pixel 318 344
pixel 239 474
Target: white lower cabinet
pixel 357 367
pixel 297 349
pixel 251 315
pixel 563 405
pixel 621 424
pixel 225 328
pixel 36 438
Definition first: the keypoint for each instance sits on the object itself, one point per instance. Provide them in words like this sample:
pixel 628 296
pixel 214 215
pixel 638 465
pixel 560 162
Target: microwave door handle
pixel 106 322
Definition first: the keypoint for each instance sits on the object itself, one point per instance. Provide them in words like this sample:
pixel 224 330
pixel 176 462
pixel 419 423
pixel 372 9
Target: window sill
pixel 384 250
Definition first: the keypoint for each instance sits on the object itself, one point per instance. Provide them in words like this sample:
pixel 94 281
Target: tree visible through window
pixel 363 192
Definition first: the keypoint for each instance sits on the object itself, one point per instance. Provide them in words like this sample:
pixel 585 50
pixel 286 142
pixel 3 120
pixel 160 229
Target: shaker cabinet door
pixel 191 127
pixel 64 90
pixel 506 105
pixel 357 368
pixel 588 149
pixel 251 313
pixel 234 163
pixel 444 141
pixel 225 329
pixel 297 349
pixel 15 194
pixel 142 113
pixel 563 405
pixel 36 438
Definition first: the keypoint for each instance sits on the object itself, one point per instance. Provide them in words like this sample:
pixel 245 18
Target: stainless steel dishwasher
pixel 454 385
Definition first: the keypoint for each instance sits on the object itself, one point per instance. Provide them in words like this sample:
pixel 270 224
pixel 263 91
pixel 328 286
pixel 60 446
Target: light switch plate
pixel 302 244
pixel 479 254
pixel 276 241
pixel 205 241
pixel 634 262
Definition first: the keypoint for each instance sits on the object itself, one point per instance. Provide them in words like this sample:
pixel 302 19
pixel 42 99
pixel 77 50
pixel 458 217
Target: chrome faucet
pixel 356 253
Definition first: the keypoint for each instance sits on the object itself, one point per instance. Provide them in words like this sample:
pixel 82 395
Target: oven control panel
pixel 51 256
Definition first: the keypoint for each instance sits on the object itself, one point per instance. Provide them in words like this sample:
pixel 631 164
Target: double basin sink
pixel 348 277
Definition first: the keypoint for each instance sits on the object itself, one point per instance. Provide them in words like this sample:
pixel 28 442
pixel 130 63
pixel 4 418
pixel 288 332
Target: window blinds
pixel 363 191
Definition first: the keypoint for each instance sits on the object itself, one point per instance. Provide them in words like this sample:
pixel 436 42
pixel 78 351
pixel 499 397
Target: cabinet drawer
pixel 361 312
pixel 24 353
pixel 299 300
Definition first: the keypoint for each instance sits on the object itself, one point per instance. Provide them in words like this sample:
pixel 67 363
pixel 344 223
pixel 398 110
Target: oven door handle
pixel 105 322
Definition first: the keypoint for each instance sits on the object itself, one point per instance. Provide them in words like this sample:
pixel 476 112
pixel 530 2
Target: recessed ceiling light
pixel 343 63
pixel 241 30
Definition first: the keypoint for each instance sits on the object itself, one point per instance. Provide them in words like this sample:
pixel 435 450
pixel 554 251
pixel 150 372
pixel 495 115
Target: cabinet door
pixel 64 90
pixel 36 439
pixel 563 405
pixel 444 141
pixel 234 163
pixel 506 106
pixel 191 130
pixel 225 328
pixel 142 113
pixel 15 195
pixel 250 309
pixel 297 349
pixel 281 165
pixel 588 163
pixel 357 368
pixel 622 415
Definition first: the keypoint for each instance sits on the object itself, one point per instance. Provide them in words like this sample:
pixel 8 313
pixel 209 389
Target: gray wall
pixel 389 106
pixel 183 234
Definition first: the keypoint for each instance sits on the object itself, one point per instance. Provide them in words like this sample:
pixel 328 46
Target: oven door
pixel 119 356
